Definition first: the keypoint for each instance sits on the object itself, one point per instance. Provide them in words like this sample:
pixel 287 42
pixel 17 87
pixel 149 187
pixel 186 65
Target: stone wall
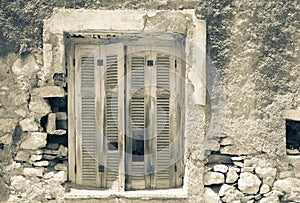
pixel 33 132
pixel 253 46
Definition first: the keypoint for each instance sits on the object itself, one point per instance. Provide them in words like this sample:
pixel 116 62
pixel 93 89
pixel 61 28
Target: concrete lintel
pixel 292 114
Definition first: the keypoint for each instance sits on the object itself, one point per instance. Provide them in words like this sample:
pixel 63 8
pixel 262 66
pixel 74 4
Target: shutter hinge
pixel 175 168
pixel 100 62
pixel 75 168
pixel 175 63
pixel 101 168
pixel 73 62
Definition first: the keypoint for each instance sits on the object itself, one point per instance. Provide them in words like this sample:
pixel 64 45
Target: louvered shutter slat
pixel 137 74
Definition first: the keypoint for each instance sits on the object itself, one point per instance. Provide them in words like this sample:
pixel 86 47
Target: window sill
pixel 144 195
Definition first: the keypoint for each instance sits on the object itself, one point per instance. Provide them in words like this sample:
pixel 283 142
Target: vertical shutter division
pixel 163 143
pixel 111 118
pixel 135 88
pixel 137 113
pixel 86 124
pixel 163 176
pixel 113 107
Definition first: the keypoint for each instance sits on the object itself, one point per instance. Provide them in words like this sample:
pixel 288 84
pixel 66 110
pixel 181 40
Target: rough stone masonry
pixel 254 46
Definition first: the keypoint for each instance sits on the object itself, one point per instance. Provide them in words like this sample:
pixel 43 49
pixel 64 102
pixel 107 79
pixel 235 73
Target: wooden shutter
pixel 163 176
pixel 153 93
pixel 113 117
pixel 135 135
pixel 87 126
pixel 168 121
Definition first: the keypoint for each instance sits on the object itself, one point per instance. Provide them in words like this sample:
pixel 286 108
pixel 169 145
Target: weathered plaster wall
pixel 253 46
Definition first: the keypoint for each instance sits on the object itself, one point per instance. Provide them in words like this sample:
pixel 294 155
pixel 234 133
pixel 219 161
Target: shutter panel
pixel 86 123
pixel 113 119
pixel 163 175
pixel 135 100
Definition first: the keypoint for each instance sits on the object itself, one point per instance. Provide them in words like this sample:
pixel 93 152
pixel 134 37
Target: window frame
pixel 164 45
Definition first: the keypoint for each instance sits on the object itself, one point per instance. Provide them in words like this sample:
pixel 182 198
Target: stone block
pixel 287 185
pixel 237 158
pixel 51 123
pixel 60 167
pixel 28 124
pixel 20 183
pixel 267 173
pixel 21 112
pixel 296 164
pixel 33 172
pixel 51 152
pixel 36 157
pixel 230 149
pixel 248 169
pixel 60 176
pixel 25 67
pixel 229 193
pixel 249 183
pixel 264 189
pixel 269 180
pixel 212 178
pixel 41 163
pixel 294 197
pixel 231 176
pixel 13 166
pixel 60 132
pixel 210 196
pixel 293 152
pixel 221 168
pixel 63 150
pixel 48 91
pixel 49 157
pixel 238 163
pixel 7 124
pixel 39 107
pixel 49 175
pixel 264 172
pixel 212 145
pixel 6 139
pixel 61 116
pixel 35 140
pixel 22 156
pixel 227 141
pixel 285 174
pixel 218 158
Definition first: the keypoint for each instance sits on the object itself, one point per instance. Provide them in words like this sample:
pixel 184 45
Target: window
pixel 292 126
pixel 179 35
pixel 293 137
pixel 128 104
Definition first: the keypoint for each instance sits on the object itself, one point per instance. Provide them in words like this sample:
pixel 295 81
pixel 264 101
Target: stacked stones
pixel 33 138
pixel 43 162
pixel 238 179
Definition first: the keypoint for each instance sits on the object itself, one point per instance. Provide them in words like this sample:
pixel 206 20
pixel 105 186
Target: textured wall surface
pixel 252 75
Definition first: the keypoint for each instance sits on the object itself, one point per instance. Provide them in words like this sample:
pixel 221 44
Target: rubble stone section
pixel 33 168
pixel 250 179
